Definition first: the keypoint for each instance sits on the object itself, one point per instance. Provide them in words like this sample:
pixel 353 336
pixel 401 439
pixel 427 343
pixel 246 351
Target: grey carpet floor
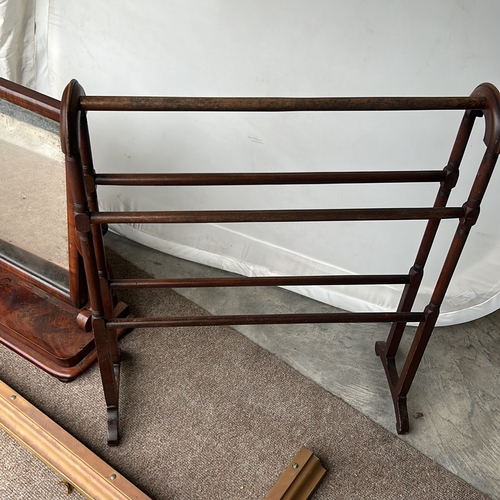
pixel 206 414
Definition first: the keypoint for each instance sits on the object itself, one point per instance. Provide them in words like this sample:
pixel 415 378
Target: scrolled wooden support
pixel 491 111
pixel 70 119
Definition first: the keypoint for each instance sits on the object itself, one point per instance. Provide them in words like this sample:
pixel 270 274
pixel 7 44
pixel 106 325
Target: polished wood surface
pixel 483 102
pixel 37 325
pixel 279 104
pixel 253 178
pixel 215 216
pixel 24 97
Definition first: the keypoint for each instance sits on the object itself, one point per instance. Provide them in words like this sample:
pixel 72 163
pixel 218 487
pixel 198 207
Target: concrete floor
pixel 454 403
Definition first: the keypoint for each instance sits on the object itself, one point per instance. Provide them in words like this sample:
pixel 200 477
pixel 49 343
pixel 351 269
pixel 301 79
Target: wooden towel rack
pixel 84 181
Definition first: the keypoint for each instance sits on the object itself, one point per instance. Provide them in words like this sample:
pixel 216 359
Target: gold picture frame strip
pixel 300 479
pixel 64 454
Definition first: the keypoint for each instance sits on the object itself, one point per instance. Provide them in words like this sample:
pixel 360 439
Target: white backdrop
pixel 287 48
pixel 17 41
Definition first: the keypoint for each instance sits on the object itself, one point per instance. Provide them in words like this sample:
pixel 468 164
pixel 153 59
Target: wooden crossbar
pixel 325 280
pixel 266 319
pixel 278 104
pixel 200 217
pixel 280 178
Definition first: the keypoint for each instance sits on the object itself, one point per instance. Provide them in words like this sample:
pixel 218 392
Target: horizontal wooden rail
pixel 320 215
pixel 29 99
pixel 388 279
pixel 245 179
pixel 123 103
pixel 267 319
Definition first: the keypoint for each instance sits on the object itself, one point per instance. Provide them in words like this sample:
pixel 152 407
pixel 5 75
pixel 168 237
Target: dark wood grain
pixel 267 319
pixel 278 104
pixel 386 279
pixel 50 338
pixel 268 178
pixel 26 98
pixel 207 216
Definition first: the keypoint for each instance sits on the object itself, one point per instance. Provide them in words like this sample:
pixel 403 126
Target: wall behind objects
pixel 287 48
pixel 17 41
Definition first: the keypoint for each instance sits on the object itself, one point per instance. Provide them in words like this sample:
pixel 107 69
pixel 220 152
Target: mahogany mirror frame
pixel 45 324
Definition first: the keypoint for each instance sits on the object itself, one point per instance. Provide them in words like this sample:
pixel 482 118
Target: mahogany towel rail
pixel 83 180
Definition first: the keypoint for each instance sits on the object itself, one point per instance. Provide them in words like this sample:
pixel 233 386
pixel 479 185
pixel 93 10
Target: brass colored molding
pixel 76 464
pixel 300 479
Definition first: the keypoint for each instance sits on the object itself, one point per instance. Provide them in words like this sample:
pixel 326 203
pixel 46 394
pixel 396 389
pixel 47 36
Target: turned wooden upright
pixel 84 182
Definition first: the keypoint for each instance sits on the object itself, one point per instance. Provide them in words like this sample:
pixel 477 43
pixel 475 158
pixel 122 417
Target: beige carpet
pixel 207 414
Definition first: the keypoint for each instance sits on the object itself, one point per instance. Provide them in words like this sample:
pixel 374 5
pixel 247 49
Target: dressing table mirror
pixel 43 293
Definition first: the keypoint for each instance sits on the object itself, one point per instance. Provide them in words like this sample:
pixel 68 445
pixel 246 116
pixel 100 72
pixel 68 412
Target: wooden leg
pixel 399 402
pixel 400 385
pixel 110 376
pixel 387 351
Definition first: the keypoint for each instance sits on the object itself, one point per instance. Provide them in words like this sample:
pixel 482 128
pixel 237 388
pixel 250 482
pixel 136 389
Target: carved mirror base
pixel 43 327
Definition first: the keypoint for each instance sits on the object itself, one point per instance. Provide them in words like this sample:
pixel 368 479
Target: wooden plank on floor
pixel 64 454
pixel 300 479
